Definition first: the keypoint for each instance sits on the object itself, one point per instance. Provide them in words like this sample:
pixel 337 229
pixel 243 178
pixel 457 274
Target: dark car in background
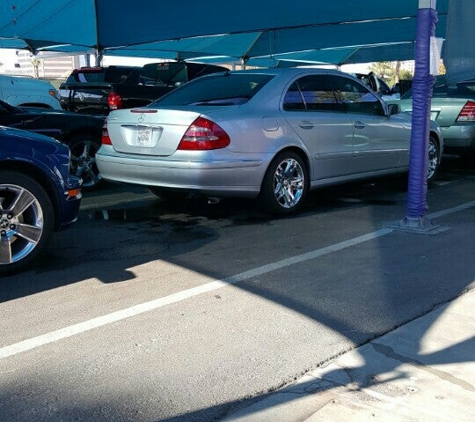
pixel 98 90
pixel 81 133
pixel 453 108
pixel 38 195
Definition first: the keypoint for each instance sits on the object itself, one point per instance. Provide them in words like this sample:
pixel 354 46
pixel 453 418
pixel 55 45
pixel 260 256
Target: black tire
pixel 285 184
pixel 83 161
pixel 26 220
pixel 433 159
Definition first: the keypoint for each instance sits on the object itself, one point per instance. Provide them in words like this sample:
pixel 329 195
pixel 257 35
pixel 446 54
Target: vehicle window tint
pixel 293 99
pixel 318 93
pixel 312 93
pixel 164 74
pixel 438 90
pixel 356 97
pixel 120 75
pixel 217 89
pixel 90 77
pixel 462 90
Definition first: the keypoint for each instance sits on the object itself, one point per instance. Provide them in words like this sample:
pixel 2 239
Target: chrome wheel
pixel 288 183
pixel 285 184
pixel 83 162
pixel 433 159
pixel 21 223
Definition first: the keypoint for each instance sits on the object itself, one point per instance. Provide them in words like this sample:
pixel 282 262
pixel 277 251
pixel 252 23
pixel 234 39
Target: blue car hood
pixel 24 136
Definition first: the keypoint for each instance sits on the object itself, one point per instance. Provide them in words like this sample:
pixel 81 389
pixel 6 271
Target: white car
pixel 268 133
pixel 28 92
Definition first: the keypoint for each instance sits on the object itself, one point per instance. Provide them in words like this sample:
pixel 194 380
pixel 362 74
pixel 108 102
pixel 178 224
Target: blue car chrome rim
pixel 21 223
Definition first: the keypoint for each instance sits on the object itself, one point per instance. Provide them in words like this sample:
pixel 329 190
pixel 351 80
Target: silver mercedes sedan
pixel 272 134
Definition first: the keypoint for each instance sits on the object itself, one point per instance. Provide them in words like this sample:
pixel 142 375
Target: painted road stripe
pixel 91 324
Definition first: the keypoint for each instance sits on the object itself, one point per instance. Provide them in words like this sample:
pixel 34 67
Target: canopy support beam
pixel 416 208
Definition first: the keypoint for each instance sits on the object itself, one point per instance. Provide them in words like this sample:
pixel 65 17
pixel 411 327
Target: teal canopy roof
pixel 343 31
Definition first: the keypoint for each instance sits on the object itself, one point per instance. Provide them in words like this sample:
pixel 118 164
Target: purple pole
pixel 421 97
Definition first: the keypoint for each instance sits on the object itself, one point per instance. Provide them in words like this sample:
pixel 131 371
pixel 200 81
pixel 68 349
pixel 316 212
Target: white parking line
pixel 91 324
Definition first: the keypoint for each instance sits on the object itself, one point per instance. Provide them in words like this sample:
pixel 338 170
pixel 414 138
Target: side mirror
pixel 394 109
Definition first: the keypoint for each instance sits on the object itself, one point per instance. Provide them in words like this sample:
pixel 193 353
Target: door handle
pixel 305 124
pixel 359 125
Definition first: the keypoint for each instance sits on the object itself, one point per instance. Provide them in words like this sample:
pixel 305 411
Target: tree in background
pixel 36 63
pixel 391 72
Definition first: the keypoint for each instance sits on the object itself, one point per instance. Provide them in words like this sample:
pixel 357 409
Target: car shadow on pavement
pixel 359 293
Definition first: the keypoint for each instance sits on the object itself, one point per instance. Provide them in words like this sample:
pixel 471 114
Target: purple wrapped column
pixel 422 92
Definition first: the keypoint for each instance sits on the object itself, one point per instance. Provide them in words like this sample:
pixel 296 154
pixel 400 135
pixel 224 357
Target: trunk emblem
pixel 141 118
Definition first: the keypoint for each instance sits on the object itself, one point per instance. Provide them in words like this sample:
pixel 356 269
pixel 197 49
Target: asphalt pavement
pixel 422 371
pixel 148 311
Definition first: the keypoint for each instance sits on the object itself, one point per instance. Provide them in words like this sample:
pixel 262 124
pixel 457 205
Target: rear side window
pixel 218 89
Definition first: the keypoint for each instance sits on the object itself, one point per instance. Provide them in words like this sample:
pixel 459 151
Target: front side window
pixel 331 93
pixel 357 98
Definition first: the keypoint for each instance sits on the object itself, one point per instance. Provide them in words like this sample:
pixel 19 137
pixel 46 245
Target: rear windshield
pixel 220 89
pixel 122 75
pixel 86 76
pixel 442 90
pixel 112 74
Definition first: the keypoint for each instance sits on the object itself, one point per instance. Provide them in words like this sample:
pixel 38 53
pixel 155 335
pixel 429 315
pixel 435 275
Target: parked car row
pixel 269 134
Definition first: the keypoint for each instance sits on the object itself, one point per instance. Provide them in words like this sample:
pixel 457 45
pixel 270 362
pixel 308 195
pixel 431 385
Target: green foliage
pixel 391 72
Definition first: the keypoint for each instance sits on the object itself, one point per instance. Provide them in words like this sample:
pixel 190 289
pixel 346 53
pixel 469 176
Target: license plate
pixel 144 137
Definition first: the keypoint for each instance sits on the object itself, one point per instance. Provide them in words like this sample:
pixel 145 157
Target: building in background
pixel 47 66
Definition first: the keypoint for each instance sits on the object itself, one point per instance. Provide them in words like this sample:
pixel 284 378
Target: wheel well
pixel 39 177
pixel 296 150
pixel 300 152
pixel 437 139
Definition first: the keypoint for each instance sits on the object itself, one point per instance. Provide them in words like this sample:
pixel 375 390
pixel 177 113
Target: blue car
pixel 38 196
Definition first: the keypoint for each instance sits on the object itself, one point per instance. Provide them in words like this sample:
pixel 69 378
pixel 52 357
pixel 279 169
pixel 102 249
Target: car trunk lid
pixel 149 131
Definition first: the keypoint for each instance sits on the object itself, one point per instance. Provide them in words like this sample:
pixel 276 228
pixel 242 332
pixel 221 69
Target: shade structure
pixel 244 30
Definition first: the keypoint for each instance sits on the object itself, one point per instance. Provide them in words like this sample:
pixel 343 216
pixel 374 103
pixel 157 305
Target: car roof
pixel 290 71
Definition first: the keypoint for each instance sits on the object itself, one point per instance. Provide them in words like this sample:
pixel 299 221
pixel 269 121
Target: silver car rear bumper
pixel 210 176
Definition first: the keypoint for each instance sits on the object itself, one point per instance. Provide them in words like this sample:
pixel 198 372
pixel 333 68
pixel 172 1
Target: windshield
pixel 219 89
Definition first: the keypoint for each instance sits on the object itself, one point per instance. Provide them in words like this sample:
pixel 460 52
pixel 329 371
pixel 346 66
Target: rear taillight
pixel 105 135
pixel 468 112
pixel 203 134
pixel 114 100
